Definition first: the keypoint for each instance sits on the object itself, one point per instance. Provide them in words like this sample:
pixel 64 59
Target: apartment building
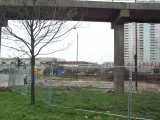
pixel 148 42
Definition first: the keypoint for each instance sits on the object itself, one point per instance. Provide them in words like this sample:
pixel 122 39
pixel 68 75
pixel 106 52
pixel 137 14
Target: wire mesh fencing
pixel 94 93
pixel 91 91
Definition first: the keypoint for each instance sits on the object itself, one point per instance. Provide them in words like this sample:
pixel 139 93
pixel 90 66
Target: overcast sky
pixel 96 44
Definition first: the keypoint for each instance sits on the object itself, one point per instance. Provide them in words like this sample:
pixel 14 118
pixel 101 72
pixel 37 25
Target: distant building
pixel 148 41
pixel 107 65
pixel 80 64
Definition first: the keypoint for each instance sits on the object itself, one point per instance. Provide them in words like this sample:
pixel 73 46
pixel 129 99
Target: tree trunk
pixel 32 80
pixel 32 64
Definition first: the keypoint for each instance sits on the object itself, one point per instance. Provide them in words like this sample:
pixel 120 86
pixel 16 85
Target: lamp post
pixel 77 41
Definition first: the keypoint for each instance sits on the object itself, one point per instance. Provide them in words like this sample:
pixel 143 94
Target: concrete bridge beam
pixel 121 18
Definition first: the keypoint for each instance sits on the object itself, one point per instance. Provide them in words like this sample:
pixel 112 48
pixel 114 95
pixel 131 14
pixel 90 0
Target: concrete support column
pixel 119 74
pixel 3 23
pixel 0 40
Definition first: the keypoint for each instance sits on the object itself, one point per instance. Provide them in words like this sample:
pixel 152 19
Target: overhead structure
pixel 83 10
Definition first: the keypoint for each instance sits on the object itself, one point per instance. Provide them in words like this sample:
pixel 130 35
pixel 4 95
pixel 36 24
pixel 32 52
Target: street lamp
pixel 77 37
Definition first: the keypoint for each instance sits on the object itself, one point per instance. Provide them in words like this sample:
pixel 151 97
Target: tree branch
pixel 48 41
pixel 14 48
pixel 19 38
pixel 49 53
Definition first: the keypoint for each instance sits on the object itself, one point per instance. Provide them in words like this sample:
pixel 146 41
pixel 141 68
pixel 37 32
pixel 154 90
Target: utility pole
pixel 135 58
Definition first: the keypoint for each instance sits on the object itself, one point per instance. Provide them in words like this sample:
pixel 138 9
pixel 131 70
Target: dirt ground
pixel 100 84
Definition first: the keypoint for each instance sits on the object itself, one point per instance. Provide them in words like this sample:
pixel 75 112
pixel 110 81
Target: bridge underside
pixel 80 14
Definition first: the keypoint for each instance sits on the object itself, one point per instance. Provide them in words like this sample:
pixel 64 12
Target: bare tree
pixel 37 34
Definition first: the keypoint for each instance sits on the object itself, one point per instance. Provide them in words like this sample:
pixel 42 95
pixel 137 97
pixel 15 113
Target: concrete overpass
pixel 85 10
pixel 115 12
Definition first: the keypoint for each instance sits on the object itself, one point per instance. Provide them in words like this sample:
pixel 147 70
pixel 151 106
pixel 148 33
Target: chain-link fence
pixel 91 90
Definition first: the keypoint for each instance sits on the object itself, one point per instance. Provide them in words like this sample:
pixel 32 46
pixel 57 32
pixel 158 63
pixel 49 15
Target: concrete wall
pixel 4 80
pixel 11 80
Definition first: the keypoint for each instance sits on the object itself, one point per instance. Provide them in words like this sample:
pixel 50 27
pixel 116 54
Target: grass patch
pixel 17 107
pixel 14 107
